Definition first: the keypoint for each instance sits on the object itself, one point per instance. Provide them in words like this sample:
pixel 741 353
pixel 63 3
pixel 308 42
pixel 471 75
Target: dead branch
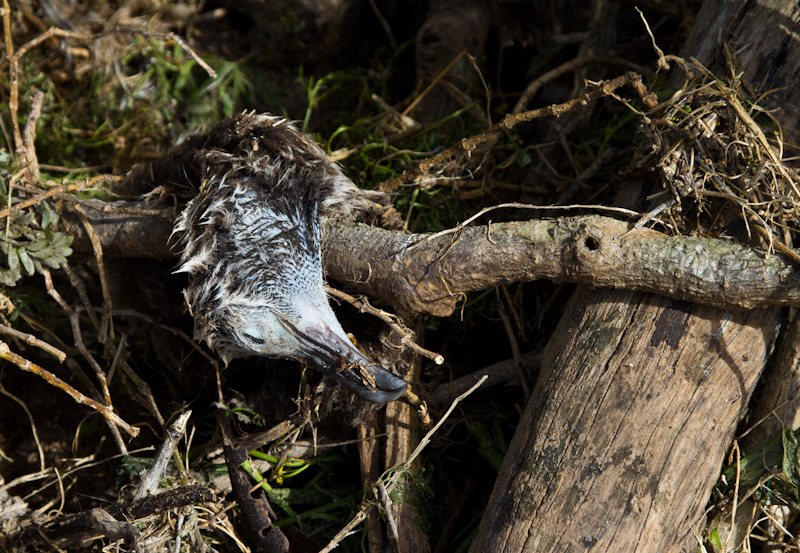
pixel 172 499
pixel 98 370
pixel 422 273
pixel 467 145
pixel 24 364
pixel 500 373
pixel 152 478
pixel 590 249
pixel 565 68
pixel 34 341
pixel 394 322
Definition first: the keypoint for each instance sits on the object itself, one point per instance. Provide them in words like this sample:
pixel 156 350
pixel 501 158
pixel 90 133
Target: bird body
pixel 251 241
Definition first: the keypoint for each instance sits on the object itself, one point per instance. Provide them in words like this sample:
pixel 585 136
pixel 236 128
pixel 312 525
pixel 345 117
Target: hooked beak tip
pixel 367 380
pixel 340 359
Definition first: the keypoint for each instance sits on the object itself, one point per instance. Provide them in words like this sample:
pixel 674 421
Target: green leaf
pixel 13 259
pixel 9 277
pixel 713 538
pixel 27 262
pixel 38 245
pixel 49 215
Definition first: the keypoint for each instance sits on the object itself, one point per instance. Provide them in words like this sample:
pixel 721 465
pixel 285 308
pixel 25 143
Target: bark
pixel 623 439
pixel 431 275
pixel 778 403
pixel 420 273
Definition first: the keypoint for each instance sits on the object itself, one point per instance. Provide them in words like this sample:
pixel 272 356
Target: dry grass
pixel 710 144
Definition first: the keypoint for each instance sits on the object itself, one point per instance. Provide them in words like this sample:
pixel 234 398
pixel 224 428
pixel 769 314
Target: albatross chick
pixel 251 247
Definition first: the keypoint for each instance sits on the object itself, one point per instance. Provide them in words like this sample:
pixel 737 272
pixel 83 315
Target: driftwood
pixel 623 438
pixel 420 273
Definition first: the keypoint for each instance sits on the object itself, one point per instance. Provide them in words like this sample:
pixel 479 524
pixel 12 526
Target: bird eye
pixel 254 335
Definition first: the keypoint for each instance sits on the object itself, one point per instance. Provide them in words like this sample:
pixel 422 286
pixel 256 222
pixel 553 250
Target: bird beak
pixel 334 355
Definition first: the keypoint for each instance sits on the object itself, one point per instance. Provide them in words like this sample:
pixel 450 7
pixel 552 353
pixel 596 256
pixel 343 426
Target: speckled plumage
pixel 251 244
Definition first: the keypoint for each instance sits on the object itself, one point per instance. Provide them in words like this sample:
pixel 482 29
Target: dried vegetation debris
pixel 711 145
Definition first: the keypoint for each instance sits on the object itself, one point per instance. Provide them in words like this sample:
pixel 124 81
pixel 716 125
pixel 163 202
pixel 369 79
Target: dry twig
pixel 467 145
pixel 151 480
pixel 363 305
pixel 34 341
pixel 24 364
pixel 565 68
pixel 106 323
pixel 79 344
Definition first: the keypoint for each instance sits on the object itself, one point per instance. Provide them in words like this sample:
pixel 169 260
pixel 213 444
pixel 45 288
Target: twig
pixel 735 504
pixel 396 472
pixel 390 319
pixel 71 187
pixel 7 29
pixel 106 323
pixel 385 24
pixel 502 372
pixel 485 210
pixel 386 503
pixel 78 339
pixel 426 440
pixel 512 340
pixel 171 499
pixel 80 288
pixel 144 394
pixel 564 68
pixel 34 341
pixel 436 79
pixel 31 422
pixel 31 162
pixel 466 145
pixel 172 330
pixel 417 403
pixel 153 477
pixel 25 365
pixel 662 62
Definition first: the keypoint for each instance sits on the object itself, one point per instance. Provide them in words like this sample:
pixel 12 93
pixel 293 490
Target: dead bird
pixel 251 246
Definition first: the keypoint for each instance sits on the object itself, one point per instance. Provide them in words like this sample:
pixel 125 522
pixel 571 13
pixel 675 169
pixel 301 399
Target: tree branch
pixel 421 273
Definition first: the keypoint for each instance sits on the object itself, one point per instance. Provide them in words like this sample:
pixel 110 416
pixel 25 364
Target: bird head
pixel 252 249
pixel 307 331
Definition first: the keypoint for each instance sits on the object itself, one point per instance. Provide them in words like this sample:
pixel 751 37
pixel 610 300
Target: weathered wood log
pixel 624 436
pixel 638 399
